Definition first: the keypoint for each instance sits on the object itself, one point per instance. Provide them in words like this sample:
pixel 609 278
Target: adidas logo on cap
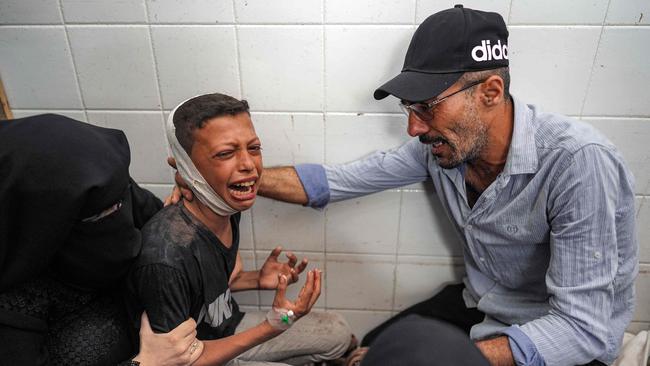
pixel 490 52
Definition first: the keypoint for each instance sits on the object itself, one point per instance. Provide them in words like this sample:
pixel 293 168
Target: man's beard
pixel 472 139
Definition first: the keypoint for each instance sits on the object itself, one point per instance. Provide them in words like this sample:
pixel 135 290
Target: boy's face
pixel 228 154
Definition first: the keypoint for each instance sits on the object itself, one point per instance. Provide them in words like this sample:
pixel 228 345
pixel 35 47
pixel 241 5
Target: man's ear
pixel 492 91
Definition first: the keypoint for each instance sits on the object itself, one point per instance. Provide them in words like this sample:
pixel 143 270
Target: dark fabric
pixel 183 272
pixel 419 341
pixel 447 305
pixel 70 224
pixel 55 172
pixel 45 322
pixel 595 363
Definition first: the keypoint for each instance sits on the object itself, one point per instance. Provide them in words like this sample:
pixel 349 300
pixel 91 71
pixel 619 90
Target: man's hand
pixel 497 351
pixel 306 298
pixel 272 268
pixel 178 347
pixel 180 190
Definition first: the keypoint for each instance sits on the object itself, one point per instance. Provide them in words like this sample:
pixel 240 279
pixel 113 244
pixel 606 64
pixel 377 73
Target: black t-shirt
pixel 183 272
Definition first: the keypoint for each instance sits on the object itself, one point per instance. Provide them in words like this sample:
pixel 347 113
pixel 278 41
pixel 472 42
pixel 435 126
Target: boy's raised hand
pixel 272 268
pixel 306 298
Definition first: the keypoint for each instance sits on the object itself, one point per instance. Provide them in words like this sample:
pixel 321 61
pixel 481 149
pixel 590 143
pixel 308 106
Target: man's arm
pixel 283 184
pixel 497 351
pixel 590 202
pixel 316 185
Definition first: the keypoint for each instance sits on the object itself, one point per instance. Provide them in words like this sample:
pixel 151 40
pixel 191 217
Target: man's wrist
pixel 497 351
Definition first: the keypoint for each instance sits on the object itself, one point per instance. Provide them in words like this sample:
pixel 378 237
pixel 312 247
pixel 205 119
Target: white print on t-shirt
pixel 218 311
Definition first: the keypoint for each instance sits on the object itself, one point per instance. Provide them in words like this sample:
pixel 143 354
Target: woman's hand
pixel 176 348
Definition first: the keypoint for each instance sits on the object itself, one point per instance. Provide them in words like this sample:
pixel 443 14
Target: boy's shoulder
pixel 168 237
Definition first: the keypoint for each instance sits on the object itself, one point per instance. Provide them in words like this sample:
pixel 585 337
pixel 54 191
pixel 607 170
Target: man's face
pixel 456 133
pixel 228 154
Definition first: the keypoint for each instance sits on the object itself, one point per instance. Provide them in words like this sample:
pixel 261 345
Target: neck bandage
pixel 200 187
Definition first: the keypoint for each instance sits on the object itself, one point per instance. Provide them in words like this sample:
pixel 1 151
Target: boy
pixel 190 263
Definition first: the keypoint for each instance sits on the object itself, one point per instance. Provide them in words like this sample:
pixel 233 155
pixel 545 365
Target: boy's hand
pixel 178 347
pixel 307 297
pixel 272 268
pixel 180 190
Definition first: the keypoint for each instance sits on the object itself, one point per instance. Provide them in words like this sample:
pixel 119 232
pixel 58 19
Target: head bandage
pixel 200 187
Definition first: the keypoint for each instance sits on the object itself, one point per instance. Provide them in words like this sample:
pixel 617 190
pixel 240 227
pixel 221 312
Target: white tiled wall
pixel 308 69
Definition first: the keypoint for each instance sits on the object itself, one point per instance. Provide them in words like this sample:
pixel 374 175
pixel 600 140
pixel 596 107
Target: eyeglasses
pixel 424 111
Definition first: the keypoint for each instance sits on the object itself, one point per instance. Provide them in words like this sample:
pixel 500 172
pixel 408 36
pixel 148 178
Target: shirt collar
pixel 522 155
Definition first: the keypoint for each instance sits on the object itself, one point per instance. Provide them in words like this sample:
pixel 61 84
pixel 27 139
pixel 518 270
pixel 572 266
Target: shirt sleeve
pixel 164 293
pixel 523 349
pixel 381 170
pixel 582 207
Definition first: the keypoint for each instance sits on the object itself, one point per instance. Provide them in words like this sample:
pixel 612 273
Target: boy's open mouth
pixel 242 189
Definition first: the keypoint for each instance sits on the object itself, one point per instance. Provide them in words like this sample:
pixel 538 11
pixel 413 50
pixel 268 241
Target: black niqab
pixel 68 207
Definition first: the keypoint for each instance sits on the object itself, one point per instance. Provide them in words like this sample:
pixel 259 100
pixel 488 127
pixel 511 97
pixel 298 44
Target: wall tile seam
pixel 572 26
pixel 75 71
pixel 593 62
pixel 509 13
pixel 241 96
pixel 362 311
pixel 397 243
pixel 386 257
pixel 240 79
pixel 315 24
pixel 157 185
pixel 415 13
pixel 156 68
pixel 309 113
pixel 324 126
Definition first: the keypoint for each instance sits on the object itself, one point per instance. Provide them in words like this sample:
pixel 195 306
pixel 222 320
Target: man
pixel 190 262
pixel 544 204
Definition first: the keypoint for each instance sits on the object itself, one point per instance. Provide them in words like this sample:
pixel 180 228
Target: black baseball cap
pixel 445 46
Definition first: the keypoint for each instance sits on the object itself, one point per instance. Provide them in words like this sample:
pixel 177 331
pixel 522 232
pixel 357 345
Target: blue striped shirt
pixel 550 247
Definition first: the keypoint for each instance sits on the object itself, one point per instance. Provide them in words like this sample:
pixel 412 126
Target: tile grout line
pixel 314 25
pixel 509 13
pixel 324 124
pixel 156 69
pixel 415 13
pixel 238 51
pixel 334 113
pixel 399 224
pixel 258 295
pixel 593 63
pixel 74 63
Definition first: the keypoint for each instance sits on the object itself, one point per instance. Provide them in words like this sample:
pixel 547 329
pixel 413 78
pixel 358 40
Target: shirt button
pixel 597 255
pixel 468 227
pixel 482 259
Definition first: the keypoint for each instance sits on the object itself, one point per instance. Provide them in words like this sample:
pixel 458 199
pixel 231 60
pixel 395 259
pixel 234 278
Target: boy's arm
pixel 267 277
pixel 220 351
pixel 164 293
